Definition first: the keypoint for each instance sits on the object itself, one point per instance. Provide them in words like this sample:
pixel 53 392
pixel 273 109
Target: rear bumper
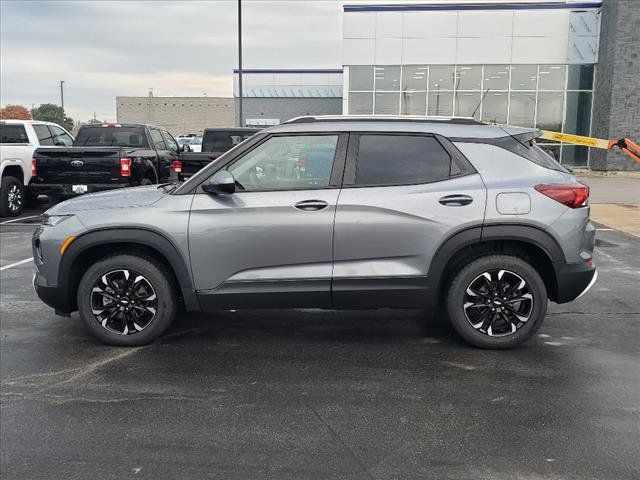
pixel 66 190
pixel 574 280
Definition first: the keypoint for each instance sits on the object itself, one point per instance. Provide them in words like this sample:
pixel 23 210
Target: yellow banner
pixel 575 139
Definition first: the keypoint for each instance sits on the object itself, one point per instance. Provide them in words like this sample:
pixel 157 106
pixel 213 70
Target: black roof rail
pixel 370 118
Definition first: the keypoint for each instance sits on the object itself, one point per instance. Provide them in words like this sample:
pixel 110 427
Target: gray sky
pixel 108 48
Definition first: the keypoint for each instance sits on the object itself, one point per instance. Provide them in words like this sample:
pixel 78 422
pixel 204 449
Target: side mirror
pixel 186 148
pixel 222 183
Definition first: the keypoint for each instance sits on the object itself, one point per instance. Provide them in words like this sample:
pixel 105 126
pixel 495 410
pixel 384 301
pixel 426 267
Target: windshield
pixel 111 137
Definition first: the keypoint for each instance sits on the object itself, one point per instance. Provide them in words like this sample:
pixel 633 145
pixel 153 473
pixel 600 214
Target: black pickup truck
pixel 215 141
pixel 104 157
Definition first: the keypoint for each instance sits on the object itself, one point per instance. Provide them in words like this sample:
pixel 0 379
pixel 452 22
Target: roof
pixel 452 127
pixel 478 5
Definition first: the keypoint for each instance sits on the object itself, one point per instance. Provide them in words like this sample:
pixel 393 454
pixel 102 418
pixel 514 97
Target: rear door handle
pixel 311 205
pixel 455 200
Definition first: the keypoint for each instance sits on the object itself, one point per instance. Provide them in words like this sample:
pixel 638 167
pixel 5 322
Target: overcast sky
pixel 103 49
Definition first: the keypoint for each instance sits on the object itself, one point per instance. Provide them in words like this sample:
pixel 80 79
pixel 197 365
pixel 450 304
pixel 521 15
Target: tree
pixel 14 112
pixel 48 112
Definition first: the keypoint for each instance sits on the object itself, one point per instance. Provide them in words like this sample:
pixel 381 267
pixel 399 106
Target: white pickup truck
pixel 18 140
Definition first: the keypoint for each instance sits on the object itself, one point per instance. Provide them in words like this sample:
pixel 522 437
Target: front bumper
pixel 574 280
pixel 66 190
pixel 55 297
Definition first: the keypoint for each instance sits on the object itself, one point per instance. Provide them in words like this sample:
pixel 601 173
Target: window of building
pixel 496 77
pixel 387 78
pixel 469 77
pixel 414 103
pixel 360 103
pixel 549 114
pixel 468 104
pixel 360 78
pixel 414 77
pixel 387 103
pixel 494 107
pixel 400 160
pixel 441 77
pixel 578 113
pixel 524 77
pixel 580 77
pixel 551 77
pixel 440 104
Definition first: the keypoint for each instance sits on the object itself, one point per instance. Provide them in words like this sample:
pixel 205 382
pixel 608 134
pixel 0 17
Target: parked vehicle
pixel 215 141
pixel 104 157
pixel 19 139
pixel 333 212
pixel 195 145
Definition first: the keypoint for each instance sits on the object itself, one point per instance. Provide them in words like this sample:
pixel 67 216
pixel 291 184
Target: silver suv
pixel 337 213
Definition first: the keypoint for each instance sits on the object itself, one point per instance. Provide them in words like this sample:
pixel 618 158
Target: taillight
pixel 125 167
pixel 302 163
pixel 34 170
pixel 572 195
pixel 176 166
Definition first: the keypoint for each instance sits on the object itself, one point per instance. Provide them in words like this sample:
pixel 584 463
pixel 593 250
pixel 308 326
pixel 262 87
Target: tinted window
pixel 60 137
pixel 401 159
pixel 224 140
pixel 157 140
pixel 287 163
pixel 13 134
pixel 525 147
pixel 44 134
pixel 111 137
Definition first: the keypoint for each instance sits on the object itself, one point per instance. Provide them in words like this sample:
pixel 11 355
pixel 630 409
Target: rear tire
pixel 497 302
pixel 12 197
pixel 127 300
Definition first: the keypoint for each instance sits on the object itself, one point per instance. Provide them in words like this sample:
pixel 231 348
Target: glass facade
pixel 550 97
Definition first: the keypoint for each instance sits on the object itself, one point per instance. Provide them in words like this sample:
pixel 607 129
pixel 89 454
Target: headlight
pixel 53 220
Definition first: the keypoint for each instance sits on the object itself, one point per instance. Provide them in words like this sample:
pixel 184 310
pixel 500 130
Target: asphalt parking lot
pixel 322 394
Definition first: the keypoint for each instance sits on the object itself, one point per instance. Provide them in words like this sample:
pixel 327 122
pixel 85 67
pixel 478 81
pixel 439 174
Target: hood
pixel 119 198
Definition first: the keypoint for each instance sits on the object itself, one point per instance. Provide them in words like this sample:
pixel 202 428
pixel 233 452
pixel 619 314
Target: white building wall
pixel 519 36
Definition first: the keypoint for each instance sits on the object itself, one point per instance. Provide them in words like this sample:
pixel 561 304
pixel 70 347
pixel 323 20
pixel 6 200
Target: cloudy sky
pixel 107 48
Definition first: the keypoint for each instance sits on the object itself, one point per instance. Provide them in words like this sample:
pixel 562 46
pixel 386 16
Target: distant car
pixel 104 157
pixel 215 141
pixel 19 139
pixel 337 213
pixel 195 145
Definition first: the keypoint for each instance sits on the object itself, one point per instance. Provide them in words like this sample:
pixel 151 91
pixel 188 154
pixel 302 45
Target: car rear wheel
pixel 127 300
pixel 12 197
pixel 497 301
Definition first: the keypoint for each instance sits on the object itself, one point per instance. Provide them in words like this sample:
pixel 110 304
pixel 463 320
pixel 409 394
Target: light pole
pixel 240 121
pixel 62 94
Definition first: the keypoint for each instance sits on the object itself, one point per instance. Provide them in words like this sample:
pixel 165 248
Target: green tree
pixel 48 112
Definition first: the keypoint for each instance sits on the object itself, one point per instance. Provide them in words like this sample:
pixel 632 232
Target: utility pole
pixel 240 113
pixel 62 94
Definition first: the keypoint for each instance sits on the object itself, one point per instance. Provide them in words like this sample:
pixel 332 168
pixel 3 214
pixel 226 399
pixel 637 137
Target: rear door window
pixel 400 160
pixel 157 140
pixel 13 133
pixel 44 135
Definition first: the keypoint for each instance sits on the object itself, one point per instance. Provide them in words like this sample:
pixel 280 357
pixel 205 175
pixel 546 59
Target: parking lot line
pixel 21 262
pixel 18 219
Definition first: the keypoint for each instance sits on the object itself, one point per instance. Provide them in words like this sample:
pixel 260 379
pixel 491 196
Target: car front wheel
pixel 126 300
pixel 497 301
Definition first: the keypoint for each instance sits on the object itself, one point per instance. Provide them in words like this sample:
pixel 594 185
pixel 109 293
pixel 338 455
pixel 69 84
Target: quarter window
pixel 401 159
pixel 287 163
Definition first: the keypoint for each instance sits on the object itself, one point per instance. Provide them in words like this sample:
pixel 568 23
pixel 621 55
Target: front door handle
pixel 311 205
pixel 456 200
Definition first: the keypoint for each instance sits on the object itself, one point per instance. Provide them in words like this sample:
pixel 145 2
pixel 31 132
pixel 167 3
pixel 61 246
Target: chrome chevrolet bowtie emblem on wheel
pixel 123 302
pixel 498 302
pixel 77 163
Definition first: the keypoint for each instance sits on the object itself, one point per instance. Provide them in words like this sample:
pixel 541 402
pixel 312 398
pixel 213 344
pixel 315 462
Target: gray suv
pixel 336 213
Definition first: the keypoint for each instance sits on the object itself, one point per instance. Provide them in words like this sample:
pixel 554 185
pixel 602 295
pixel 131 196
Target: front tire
pixel 127 300
pixel 12 197
pixel 497 302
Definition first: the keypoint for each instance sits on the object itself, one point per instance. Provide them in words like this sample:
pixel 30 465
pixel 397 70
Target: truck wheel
pixel 497 302
pixel 12 197
pixel 126 300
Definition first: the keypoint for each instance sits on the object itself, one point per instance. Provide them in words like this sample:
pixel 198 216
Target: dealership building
pixel 560 66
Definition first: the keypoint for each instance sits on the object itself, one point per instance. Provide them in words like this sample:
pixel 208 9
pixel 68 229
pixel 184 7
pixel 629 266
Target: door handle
pixel 311 205
pixel 456 200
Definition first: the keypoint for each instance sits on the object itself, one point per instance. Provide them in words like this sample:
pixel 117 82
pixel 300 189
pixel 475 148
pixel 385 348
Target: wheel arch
pixel 530 243
pixel 13 170
pixel 94 245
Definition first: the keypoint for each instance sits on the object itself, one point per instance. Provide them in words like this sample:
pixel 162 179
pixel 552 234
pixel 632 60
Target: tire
pixel 482 317
pixel 12 197
pixel 122 318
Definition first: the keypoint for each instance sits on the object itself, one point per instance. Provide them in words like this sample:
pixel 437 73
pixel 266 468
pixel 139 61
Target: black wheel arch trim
pixel 139 236
pixel 479 234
